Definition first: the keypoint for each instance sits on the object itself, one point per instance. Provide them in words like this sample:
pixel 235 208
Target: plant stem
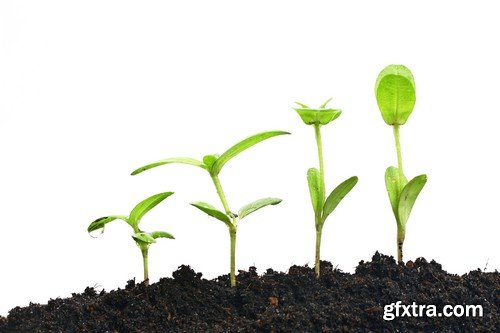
pixel 319 144
pixel 220 192
pixel 144 251
pixel 232 263
pixel 398 152
pixel 318 250
pixel 400 241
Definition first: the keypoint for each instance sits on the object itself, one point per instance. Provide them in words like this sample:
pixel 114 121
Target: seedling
pixel 395 92
pixel 213 165
pixel 316 178
pixel 142 239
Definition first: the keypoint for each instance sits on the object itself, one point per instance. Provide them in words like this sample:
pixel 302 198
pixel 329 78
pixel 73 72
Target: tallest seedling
pixel 316 178
pixel 395 92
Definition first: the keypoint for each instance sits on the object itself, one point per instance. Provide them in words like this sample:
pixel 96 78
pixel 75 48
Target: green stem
pixel 319 212
pixel 232 263
pixel 144 251
pixel 400 241
pixel 319 144
pixel 398 151
pixel 318 250
pixel 221 194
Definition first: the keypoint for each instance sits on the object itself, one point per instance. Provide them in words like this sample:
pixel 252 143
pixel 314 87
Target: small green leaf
pixel 395 93
pixel 143 237
pixel 241 146
pixel 318 116
pixel 182 160
pixel 209 161
pixel 146 205
pixel 161 234
pixel 408 198
pixel 323 106
pixel 256 205
pixel 102 221
pixel 303 106
pixel 313 180
pixel 337 195
pixel 212 211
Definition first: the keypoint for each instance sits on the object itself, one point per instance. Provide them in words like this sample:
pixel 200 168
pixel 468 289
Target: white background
pixel 90 90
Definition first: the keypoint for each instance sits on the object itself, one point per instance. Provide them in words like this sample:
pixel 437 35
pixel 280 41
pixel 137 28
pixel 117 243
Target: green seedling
pixel 142 239
pixel 316 178
pixel 395 93
pixel 213 165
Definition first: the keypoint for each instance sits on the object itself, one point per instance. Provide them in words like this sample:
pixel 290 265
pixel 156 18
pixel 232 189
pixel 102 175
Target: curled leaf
pixel 101 222
pixel 161 234
pixel 144 238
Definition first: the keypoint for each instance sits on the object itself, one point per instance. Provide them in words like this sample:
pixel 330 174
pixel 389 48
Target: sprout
pixel 316 178
pixel 142 239
pixel 395 93
pixel 213 164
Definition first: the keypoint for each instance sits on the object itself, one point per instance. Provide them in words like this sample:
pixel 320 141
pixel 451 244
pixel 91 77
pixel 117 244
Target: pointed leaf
pixel 102 221
pixel 146 205
pixel 395 93
pixel 161 234
pixel 313 180
pixel 212 211
pixel 241 146
pixel 337 195
pixel 182 160
pixel 409 196
pixel 302 105
pixel 323 106
pixel 256 205
pixel 143 237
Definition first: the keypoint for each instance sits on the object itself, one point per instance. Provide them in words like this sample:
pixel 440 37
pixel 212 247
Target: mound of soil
pixel 275 302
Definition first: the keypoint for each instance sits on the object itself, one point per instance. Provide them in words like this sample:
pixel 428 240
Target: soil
pixel 274 302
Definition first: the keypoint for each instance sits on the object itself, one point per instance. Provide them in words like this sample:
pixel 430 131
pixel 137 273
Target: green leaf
pixel 303 106
pixel 209 161
pixel 395 93
pixel 314 182
pixel 323 106
pixel 161 234
pixel 256 205
pixel 145 206
pixel 102 221
pixel 182 160
pixel 318 116
pixel 409 196
pixel 212 211
pixel 394 188
pixel 241 146
pixel 143 237
pixel 337 195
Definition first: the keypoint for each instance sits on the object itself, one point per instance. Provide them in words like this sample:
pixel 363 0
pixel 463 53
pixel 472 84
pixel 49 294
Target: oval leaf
pixel 143 237
pixel 182 160
pixel 313 180
pixel 408 197
pixel 212 211
pixel 161 234
pixel 337 195
pixel 256 205
pixel 241 146
pixel 102 221
pixel 145 206
pixel 395 93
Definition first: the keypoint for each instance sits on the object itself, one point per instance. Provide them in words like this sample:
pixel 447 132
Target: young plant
pixel 213 165
pixel 395 93
pixel 316 178
pixel 142 239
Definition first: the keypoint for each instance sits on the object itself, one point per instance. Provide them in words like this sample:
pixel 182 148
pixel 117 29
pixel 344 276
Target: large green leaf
pixel 182 160
pixel 315 189
pixel 395 93
pixel 161 234
pixel 408 197
pixel 102 221
pixel 337 195
pixel 146 205
pixel 256 205
pixel 212 211
pixel 241 146
pixel 143 237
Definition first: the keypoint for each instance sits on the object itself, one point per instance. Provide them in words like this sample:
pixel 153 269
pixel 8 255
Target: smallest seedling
pixel 143 239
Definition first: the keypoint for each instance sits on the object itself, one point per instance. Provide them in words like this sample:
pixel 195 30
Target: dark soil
pixel 275 302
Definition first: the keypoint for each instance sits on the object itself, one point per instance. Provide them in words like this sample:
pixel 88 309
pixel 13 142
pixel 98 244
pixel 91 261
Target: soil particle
pixel 275 302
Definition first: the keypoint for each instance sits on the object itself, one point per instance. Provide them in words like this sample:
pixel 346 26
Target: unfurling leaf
pixel 143 237
pixel 314 182
pixel 161 234
pixel 209 161
pixel 241 146
pixel 145 206
pixel 102 221
pixel 337 195
pixel 395 93
pixel 409 196
pixel 256 205
pixel 182 160
pixel 212 211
